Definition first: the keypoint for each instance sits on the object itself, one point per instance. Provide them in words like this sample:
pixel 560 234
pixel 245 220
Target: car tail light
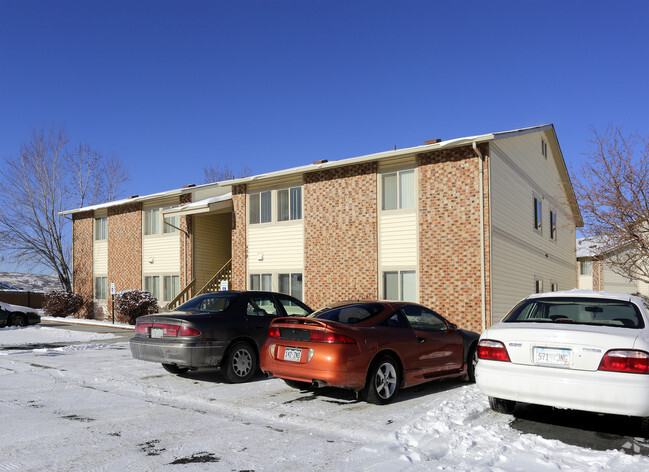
pixel 332 338
pixel 273 332
pixel 168 330
pixel 621 360
pixel 493 351
pixel 187 331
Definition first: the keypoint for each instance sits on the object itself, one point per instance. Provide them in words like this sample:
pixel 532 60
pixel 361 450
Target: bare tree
pixel 613 191
pixel 222 172
pixel 46 178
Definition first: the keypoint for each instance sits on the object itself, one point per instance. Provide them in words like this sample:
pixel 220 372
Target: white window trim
pixel 397 171
pixel 274 202
pixel 399 271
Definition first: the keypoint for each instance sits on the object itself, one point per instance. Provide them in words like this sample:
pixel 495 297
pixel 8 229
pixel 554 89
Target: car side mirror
pixel 452 326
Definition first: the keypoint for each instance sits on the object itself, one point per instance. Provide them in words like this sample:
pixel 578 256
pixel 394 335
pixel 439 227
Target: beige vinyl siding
pixel 397 239
pixel 616 283
pixel 100 257
pixel 519 254
pixel 212 245
pixel 585 282
pixel 161 255
pixel 280 245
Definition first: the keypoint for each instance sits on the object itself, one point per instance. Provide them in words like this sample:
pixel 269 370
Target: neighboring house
pixel 596 274
pixel 467 226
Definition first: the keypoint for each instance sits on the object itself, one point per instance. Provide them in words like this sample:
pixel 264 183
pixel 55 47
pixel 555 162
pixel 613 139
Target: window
pixel 398 190
pixel 553 225
pixel 152 221
pixel 260 209
pixel 289 204
pixel 101 228
pixel 400 285
pixel 423 318
pixel 291 284
pixel 538 215
pixel 101 288
pixel 261 282
pixel 262 306
pixel 152 285
pixel 292 308
pixel 554 287
pixel 171 224
pixel 544 148
pixel 585 268
pixel 538 286
pixel 171 287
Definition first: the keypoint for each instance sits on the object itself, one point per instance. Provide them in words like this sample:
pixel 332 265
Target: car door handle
pixel 421 340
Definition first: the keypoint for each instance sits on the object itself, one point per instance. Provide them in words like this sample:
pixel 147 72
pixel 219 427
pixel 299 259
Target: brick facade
pixel 239 250
pixel 186 245
pixel 125 247
pixel 340 231
pixel 82 251
pixel 449 234
pixel 598 274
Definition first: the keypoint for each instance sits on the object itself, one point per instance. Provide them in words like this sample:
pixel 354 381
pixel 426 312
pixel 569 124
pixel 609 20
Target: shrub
pixel 60 303
pixel 129 304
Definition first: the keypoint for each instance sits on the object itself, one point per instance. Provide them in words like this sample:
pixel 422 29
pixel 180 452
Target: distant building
pixel 468 226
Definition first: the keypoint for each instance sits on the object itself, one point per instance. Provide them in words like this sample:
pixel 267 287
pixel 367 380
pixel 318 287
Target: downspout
pixel 483 288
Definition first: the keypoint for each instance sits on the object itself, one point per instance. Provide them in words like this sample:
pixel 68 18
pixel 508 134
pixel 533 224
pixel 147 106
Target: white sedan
pixel 575 349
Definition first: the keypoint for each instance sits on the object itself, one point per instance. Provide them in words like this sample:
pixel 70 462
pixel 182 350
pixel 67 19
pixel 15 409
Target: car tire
pixel 500 405
pixel 240 363
pixel 18 320
pixel 383 382
pixel 471 362
pixel 644 427
pixel 297 384
pixel 174 369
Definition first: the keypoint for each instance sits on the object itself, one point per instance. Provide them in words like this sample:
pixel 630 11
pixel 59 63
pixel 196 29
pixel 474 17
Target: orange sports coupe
pixel 374 348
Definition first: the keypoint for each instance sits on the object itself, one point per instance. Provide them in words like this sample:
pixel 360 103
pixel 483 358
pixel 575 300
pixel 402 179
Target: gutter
pixel 483 288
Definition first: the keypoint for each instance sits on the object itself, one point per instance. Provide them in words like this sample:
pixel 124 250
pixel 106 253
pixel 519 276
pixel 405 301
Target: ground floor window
pixel 290 284
pixel 152 285
pixel 400 285
pixel 171 287
pixel 261 282
pixel 101 288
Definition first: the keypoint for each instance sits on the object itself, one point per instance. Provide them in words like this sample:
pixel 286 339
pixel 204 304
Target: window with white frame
pixel 538 286
pixel 544 148
pixel 101 288
pixel 101 228
pixel 553 225
pixel 289 204
pixel 398 190
pixel 152 285
pixel 538 214
pixel 171 287
pixel 585 268
pixel 291 284
pixel 261 282
pixel 152 221
pixel 260 208
pixel 400 285
pixel 554 287
pixel 171 224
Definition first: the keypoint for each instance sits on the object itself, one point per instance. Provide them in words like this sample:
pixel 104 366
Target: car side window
pixel 397 320
pixel 263 305
pixel 423 318
pixel 292 307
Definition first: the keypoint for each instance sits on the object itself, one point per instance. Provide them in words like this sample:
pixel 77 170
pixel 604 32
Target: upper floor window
pixel 171 224
pixel 538 286
pixel 152 221
pixel 101 228
pixel 289 204
pixel 398 190
pixel 538 215
pixel 260 208
pixel 553 225
pixel 544 148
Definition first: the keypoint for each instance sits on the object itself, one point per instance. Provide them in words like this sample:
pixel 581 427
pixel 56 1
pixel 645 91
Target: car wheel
pixel 19 320
pixel 240 363
pixel 174 369
pixel 382 382
pixel 644 427
pixel 500 405
pixel 297 384
pixel 472 361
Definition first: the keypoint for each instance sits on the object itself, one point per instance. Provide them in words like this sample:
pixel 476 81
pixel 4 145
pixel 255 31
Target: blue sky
pixel 173 86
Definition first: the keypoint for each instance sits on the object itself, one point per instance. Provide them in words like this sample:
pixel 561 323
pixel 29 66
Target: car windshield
pixel 212 303
pixel 349 314
pixel 591 311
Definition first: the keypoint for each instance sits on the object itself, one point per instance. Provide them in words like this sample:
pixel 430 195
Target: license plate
pixel 156 332
pixel 552 357
pixel 292 354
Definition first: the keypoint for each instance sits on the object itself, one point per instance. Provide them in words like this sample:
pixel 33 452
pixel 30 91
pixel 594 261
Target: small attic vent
pixel 320 162
pixel 433 141
pixel 189 186
pixel 132 196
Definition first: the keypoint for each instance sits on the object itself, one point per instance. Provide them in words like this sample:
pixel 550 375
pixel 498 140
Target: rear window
pixel 591 311
pixel 350 314
pixel 211 303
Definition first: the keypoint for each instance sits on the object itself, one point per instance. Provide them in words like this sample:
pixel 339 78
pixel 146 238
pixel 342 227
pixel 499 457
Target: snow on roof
pixel 590 247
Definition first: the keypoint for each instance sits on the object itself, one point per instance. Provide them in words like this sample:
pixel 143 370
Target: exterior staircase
pixel 214 285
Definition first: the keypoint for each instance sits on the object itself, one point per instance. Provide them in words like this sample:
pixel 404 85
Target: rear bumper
pixel 597 391
pixel 188 354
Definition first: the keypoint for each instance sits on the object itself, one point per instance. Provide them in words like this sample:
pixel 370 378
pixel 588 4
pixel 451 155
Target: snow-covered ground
pixel 92 407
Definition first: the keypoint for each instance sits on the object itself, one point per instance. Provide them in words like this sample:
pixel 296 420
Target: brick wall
pixel 186 253
pixel 449 235
pixel 340 230
pixel 239 237
pixel 82 270
pixel 125 247
pixel 598 274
